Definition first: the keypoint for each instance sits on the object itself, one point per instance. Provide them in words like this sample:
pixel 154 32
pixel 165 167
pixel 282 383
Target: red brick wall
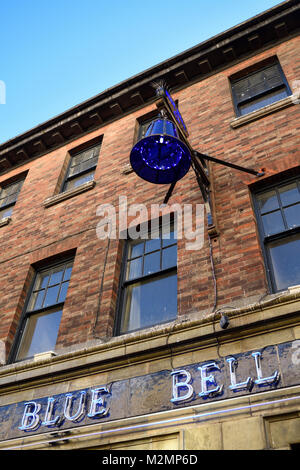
pixel 37 233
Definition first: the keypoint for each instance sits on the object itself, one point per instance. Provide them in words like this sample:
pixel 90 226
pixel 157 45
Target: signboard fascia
pixel 272 368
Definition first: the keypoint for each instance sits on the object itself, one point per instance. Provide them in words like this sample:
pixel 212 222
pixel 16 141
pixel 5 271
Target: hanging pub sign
pixel 161 156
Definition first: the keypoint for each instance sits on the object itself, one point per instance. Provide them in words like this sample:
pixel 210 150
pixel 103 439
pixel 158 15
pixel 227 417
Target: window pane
pixel 289 194
pixel 265 80
pixel 285 255
pixel 9 200
pixel 268 201
pixel 134 268
pixel 262 101
pixel 11 189
pixel 41 282
pixel 56 277
pixel 75 160
pixel 75 169
pixel 6 191
pixel 84 156
pixel 257 83
pixel 44 281
pixel 63 292
pixel 142 129
pixel 75 182
pixel 272 76
pixel 46 287
pixel 273 223
pixel 150 302
pixel 169 257
pixel 51 296
pixel 87 154
pixel 152 263
pixel 40 334
pixel 68 273
pixel 136 249
pixel 36 300
pixel 241 89
pixel 6 213
pixel 292 215
pixel 152 245
pixel 9 194
pixel 169 235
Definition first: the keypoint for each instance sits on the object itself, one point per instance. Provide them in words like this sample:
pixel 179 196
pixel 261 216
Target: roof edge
pixel 136 91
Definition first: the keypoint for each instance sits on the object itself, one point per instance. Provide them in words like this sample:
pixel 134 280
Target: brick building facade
pixel 149 387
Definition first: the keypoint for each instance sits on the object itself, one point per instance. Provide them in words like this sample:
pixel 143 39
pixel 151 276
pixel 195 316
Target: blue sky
pixel 57 53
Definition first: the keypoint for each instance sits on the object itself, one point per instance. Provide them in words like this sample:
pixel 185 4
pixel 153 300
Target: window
pixel 145 121
pixel 8 198
pixel 149 281
pixel 258 89
pixel 81 168
pixel 44 307
pixel 278 213
pixel 143 126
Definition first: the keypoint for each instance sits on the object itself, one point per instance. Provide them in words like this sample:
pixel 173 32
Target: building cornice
pixel 231 46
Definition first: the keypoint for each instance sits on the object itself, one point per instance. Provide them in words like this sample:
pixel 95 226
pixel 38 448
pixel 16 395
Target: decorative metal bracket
pixel 231 165
pixel 198 160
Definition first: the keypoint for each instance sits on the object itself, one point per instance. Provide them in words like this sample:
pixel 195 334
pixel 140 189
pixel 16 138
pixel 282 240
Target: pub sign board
pixel 272 367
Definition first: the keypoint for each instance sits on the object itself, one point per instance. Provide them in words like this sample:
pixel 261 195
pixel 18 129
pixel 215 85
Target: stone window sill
pixel 5 221
pixel 271 108
pixel 50 201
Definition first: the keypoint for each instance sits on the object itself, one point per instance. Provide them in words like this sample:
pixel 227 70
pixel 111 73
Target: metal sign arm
pixel 231 165
pixel 169 193
pixel 198 173
pixel 198 159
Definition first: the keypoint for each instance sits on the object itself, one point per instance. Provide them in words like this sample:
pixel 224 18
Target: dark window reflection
pixel 150 302
pixel 258 89
pixel 43 314
pixel 150 284
pixel 273 223
pixel 285 258
pixel 279 219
